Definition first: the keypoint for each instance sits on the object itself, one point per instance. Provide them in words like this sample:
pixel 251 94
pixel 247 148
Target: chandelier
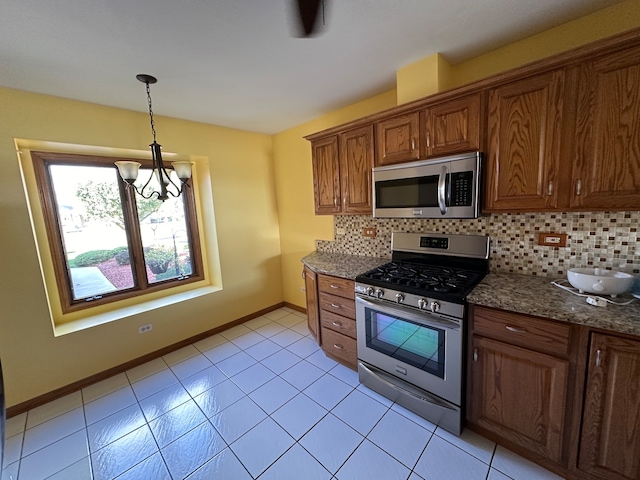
pixel 168 187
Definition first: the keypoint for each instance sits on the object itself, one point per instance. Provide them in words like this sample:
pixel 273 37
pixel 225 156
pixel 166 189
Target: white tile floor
pixel 259 400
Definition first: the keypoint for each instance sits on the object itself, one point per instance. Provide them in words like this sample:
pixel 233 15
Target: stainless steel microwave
pixel 447 187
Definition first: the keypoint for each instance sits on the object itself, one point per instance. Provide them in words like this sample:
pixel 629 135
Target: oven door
pixel 422 349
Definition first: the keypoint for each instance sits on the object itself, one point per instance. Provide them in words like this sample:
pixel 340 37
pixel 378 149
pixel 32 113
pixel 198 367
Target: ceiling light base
pixel 146 78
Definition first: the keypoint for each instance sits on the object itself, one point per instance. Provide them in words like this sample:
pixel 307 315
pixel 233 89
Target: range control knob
pixel 379 293
pixel 399 298
pixel 434 306
pixel 370 291
pixel 422 304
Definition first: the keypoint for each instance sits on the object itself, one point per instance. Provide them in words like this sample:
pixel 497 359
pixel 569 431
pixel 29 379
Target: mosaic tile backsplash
pixel 600 239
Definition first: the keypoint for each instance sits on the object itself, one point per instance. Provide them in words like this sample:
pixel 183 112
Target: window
pixel 107 242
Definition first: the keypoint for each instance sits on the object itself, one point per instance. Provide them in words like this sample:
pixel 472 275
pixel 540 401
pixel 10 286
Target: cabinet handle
pixel 335 201
pixel 598 358
pixel 515 329
pixel 475 354
pixel 303 274
pixel 550 188
pixel 578 187
pixel 338 346
pixel 413 144
pixel 334 286
pixel 335 306
pixel 336 324
pixel 428 140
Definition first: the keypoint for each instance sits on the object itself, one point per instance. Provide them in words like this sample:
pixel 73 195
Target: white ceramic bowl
pixel 600 281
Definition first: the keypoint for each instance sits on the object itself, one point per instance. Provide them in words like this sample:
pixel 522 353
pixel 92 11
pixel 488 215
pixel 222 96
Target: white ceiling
pixel 235 63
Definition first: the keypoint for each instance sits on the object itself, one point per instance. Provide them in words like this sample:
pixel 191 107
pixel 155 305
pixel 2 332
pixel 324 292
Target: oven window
pixel 408 192
pixel 418 345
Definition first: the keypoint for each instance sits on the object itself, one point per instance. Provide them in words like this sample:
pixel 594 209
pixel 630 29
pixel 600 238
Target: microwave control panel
pixel 461 189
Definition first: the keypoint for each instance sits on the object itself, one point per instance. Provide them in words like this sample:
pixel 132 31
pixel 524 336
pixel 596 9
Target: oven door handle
pixel 431 321
pixel 442 198
pixel 425 397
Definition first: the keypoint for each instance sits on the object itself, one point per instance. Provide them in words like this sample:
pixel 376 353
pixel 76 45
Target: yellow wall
pixel 604 23
pixel 299 228
pixel 422 78
pixel 242 179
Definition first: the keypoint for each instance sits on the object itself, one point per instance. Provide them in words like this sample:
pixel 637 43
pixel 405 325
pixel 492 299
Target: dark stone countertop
pixel 527 294
pixel 342 265
pixel 534 295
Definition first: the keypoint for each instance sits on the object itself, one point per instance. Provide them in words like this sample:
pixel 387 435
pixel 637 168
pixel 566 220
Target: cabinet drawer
pixel 344 325
pixel 336 286
pixel 340 346
pixel 522 330
pixel 338 305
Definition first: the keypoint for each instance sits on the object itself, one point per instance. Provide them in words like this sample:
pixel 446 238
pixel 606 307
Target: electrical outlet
pixel 369 232
pixel 145 328
pixel 553 239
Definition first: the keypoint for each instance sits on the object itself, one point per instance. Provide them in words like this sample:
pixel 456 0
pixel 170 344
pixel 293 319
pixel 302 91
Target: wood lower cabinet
pixel 606 171
pixel 338 318
pixel 610 435
pixel 398 139
pixel 525 120
pixel 453 127
pixel 342 172
pixel 311 292
pixel 517 389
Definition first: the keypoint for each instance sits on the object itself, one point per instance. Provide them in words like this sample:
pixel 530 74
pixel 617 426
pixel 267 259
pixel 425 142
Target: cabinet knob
pixel 578 187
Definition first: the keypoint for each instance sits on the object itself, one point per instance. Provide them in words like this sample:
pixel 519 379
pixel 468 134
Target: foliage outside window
pixel 107 243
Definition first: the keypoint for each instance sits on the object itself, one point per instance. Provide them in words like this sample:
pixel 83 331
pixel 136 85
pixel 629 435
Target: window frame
pixel 41 162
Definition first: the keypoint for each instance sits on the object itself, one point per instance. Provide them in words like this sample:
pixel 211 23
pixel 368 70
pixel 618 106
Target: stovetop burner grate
pixel 422 279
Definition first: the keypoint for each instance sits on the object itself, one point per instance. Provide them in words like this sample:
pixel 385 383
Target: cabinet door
pixel 519 394
pixel 607 157
pixel 610 443
pixel 397 139
pixel 356 162
pixel 453 127
pixel 326 176
pixel 524 144
pixel 311 291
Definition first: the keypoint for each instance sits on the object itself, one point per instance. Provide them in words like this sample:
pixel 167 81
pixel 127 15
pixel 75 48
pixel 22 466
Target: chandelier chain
pixel 153 126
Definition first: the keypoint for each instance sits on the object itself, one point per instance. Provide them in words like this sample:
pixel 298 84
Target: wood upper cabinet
pixel 311 292
pixel 356 162
pixel 607 153
pixel 397 139
pixel 515 391
pixel 452 127
pixel 525 119
pixel 609 442
pixel 342 166
pixel 326 176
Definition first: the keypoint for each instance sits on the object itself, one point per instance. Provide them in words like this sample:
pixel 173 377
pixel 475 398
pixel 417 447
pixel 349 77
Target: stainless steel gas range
pixel 410 320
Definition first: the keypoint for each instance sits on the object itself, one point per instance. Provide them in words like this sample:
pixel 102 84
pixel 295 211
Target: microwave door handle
pixel 442 183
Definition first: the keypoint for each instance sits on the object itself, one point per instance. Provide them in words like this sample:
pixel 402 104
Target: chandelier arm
pixel 140 192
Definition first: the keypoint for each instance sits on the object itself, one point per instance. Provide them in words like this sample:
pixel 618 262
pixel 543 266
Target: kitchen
pixel 288 230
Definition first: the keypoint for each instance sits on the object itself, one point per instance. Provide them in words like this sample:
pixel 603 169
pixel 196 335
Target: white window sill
pixel 131 310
